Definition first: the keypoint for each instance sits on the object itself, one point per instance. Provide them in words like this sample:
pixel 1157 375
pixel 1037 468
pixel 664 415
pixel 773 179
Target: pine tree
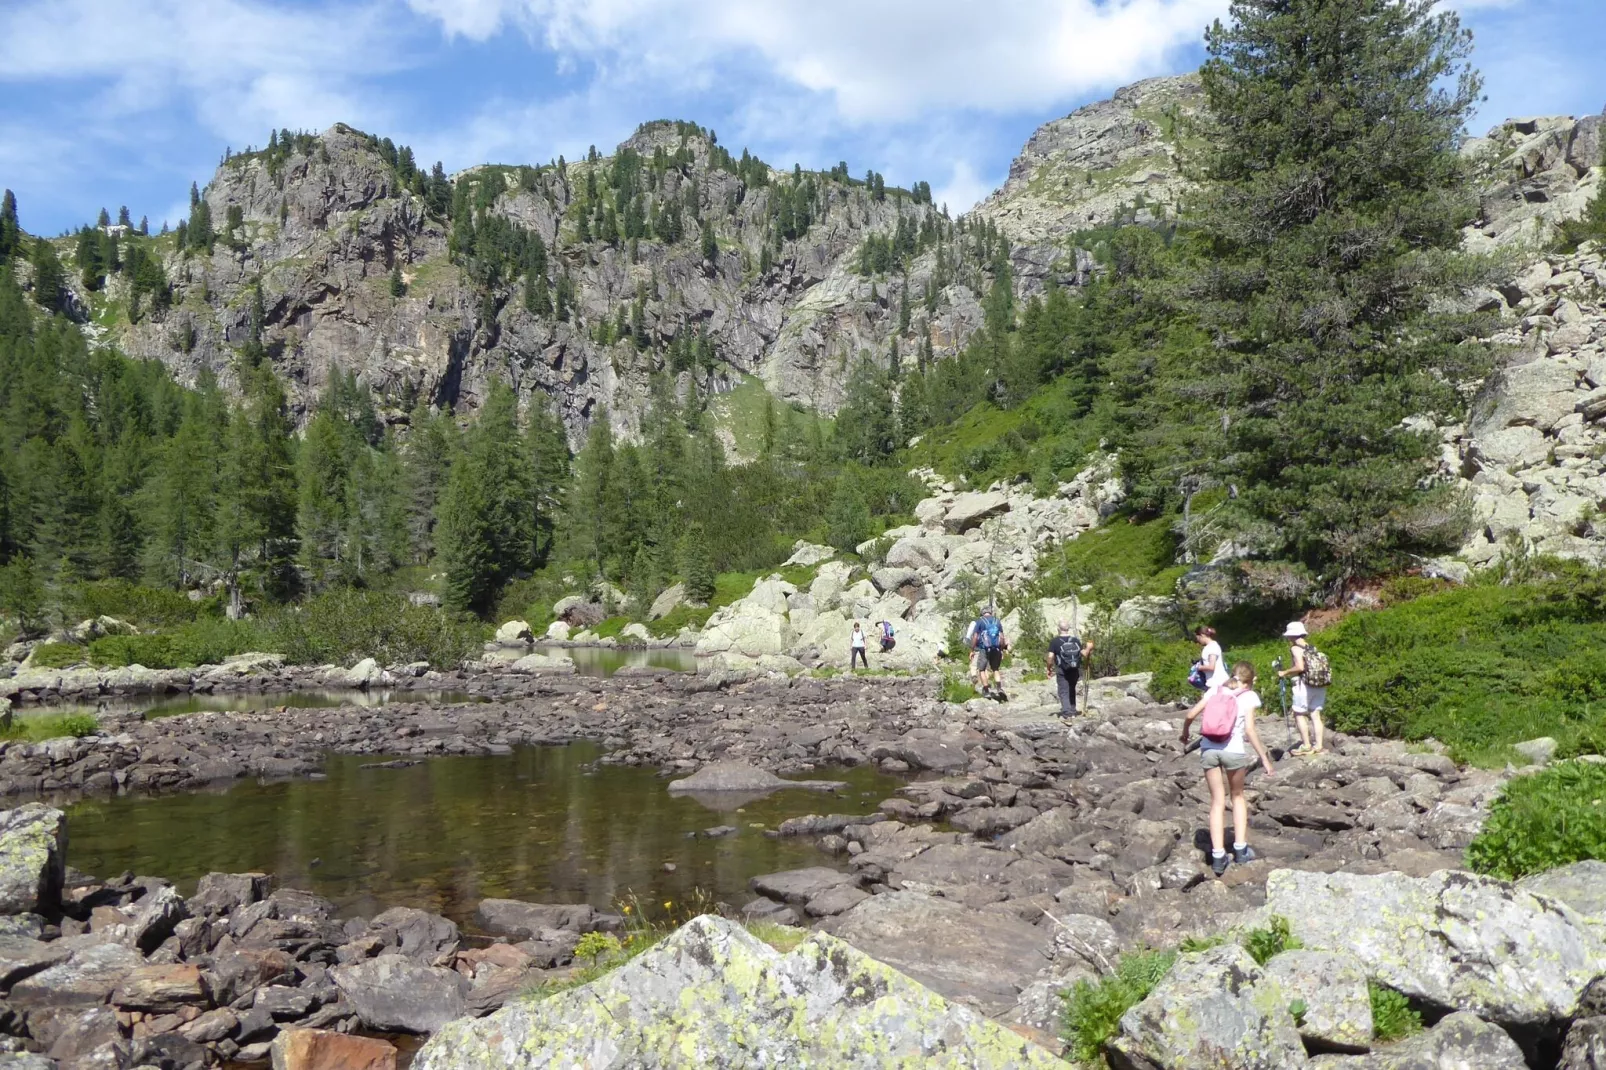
pixel 123 219
pixel 485 529
pixel 10 229
pixel 426 459
pixel 49 283
pixel 1327 225
pixel 710 243
pixel 696 569
pixel 866 425
pixel 547 444
pixel 848 519
pixel 397 286
pixel 256 514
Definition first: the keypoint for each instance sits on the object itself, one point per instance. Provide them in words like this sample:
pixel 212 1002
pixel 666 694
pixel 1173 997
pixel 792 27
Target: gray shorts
pixel 1309 699
pixel 1221 759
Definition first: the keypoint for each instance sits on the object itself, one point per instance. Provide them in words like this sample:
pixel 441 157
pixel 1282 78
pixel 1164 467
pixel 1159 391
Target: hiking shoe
pixel 1000 696
pixel 1243 856
pixel 1218 864
pixel 1302 751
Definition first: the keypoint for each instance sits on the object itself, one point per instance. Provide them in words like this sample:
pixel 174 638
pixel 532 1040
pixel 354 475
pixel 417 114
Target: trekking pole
pixel 1282 698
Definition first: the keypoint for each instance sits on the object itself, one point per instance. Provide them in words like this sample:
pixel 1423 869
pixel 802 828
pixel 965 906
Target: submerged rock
pixel 713 995
pixel 33 850
pixel 742 776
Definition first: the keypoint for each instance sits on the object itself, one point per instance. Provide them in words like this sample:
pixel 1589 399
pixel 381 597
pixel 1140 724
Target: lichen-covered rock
pixel 1460 1041
pixel 1455 940
pixel 1581 885
pixel 1585 1047
pixel 33 852
pixel 1338 1008
pixel 713 995
pixel 1214 1009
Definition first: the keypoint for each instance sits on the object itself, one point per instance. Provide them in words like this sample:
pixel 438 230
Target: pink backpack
pixel 1220 715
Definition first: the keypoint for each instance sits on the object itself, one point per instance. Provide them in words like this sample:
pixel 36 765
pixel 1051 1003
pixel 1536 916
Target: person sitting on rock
pixel 1227 760
pixel 1066 652
pixel 856 652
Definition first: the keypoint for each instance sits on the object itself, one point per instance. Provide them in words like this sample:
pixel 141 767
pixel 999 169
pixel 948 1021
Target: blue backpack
pixel 991 633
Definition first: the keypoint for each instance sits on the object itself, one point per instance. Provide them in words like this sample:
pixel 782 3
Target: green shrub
pixel 1093 1010
pixel 341 626
pixel 1266 944
pixel 955 689
pixel 58 655
pixel 1543 820
pixel 1392 1015
pixel 206 641
pixel 37 727
pixel 144 606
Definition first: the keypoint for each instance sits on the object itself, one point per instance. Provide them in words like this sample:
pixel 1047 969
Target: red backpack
pixel 1220 715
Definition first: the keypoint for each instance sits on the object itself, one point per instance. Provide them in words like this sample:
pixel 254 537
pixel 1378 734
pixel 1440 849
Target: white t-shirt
pixel 858 639
pixel 1219 676
pixel 1248 702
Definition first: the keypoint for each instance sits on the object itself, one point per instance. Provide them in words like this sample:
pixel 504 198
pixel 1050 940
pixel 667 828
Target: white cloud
pixel 244 65
pixel 964 189
pixel 878 61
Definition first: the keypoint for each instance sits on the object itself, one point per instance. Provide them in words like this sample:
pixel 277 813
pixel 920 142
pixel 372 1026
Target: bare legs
pixel 1306 721
pixel 1220 785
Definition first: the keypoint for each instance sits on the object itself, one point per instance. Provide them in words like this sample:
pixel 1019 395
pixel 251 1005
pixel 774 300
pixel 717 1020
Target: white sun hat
pixel 1295 630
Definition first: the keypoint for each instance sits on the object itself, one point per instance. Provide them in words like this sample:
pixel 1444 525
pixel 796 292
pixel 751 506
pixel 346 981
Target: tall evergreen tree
pixel 426 459
pixel 1328 223
pixel 485 528
pixel 49 283
pixel 256 516
pixel 10 228
pixel 866 424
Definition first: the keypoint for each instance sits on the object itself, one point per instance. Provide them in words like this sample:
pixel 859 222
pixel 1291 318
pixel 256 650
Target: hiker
pixel 1228 748
pixel 1211 668
pixel 973 657
pixel 1066 652
pixel 887 639
pixel 856 652
pixel 989 642
pixel 1311 674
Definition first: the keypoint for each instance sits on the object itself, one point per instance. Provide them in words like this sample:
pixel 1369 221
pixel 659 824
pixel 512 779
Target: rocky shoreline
pixel 1024 857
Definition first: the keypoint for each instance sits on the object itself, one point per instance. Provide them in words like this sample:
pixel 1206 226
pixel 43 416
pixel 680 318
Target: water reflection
pixel 170 705
pixel 537 824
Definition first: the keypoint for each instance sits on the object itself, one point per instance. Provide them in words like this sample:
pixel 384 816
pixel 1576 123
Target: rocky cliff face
pixel 321 229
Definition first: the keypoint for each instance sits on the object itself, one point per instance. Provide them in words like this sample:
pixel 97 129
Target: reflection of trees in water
pixel 444 834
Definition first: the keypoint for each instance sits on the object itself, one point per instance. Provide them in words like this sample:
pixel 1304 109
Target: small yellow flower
pixel 668 904
pixel 627 910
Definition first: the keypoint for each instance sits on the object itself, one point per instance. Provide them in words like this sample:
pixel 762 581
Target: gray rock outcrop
pixel 393 994
pixel 713 995
pixel 1452 940
pixel 1459 1040
pixel 33 859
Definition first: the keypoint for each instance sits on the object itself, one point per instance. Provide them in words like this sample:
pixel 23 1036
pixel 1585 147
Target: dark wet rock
pixel 978 957
pixel 156 918
pixel 220 893
pixel 73 1034
pixel 837 900
pixel 521 921
pixel 1585 1046
pixel 285 1004
pixel 170 1051
pixel 550 947
pixel 33 849
pixel 416 934
pixel 237 974
pixel 992 820
pixel 21 957
pixel 392 994
pixel 766 909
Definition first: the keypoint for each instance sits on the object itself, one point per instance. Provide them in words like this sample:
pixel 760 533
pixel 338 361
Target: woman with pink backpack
pixel 1228 747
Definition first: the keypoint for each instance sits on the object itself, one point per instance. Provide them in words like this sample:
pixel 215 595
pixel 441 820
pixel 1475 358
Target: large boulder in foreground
pixel 1214 1009
pixel 1454 940
pixel 713 995
pixel 33 859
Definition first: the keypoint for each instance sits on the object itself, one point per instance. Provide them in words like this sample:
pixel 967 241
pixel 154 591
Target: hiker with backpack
pixel 988 641
pixel 1229 746
pixel 1312 673
pixel 1066 652
pixel 1211 668
pixel 856 653
pixel 888 641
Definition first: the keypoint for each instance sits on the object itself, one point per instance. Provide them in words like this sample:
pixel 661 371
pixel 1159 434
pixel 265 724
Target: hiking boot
pixel 1218 863
pixel 1245 855
pixel 1000 696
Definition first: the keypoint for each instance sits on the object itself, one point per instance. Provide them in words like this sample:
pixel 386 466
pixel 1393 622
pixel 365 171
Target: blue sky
pixel 113 102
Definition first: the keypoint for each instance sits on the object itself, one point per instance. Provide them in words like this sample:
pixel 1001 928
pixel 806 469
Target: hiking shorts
pixel 1309 699
pixel 991 659
pixel 1227 761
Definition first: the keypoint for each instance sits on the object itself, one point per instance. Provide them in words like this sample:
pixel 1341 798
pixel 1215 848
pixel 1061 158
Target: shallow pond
pixel 538 824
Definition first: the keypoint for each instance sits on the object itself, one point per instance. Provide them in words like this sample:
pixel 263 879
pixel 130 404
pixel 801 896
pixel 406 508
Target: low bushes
pixel 1543 820
pixel 1393 1017
pixel 341 626
pixel 1093 1010
pixel 157 607
pixel 206 641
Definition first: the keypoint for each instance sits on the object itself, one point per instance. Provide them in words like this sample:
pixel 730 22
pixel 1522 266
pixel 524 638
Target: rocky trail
pixel 1023 855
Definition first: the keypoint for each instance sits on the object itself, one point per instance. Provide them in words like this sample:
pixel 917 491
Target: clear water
pixel 539 824
pixel 605 661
